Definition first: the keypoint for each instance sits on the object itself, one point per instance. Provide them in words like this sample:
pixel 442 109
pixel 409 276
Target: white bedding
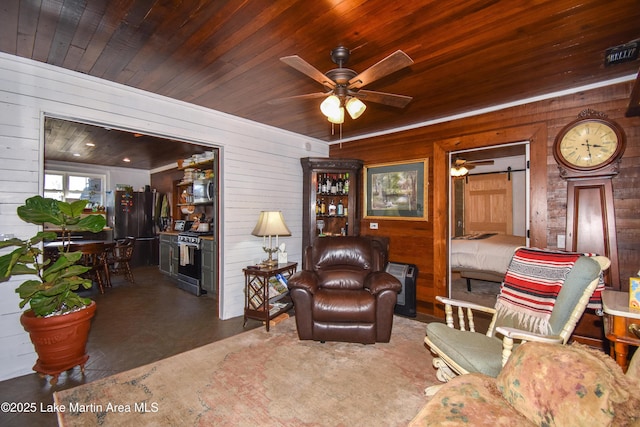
pixel 489 254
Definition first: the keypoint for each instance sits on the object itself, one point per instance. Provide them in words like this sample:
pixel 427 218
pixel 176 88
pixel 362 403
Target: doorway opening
pixel 488 215
pixel 138 162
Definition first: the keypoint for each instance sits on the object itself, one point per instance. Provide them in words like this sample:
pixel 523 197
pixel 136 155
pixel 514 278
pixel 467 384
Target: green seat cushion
pixel 473 351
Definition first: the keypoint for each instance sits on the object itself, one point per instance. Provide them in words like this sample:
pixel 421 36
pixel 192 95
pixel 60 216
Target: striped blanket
pixel 532 283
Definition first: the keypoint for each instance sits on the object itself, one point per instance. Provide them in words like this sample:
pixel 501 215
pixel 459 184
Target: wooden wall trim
pixel 536 134
pixel 440 225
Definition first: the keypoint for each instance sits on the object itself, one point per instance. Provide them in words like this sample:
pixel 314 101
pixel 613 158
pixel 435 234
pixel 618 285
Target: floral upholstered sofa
pixel 541 385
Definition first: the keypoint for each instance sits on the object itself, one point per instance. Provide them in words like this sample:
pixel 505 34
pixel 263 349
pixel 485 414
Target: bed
pixel 483 256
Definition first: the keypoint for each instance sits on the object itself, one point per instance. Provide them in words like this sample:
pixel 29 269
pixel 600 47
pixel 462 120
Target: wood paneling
pixel 425 243
pixel 225 54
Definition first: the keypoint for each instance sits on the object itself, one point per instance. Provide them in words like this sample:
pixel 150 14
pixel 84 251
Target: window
pixel 73 186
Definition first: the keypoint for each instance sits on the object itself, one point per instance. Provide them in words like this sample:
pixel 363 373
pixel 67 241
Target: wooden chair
pixel 94 255
pixel 462 351
pixel 120 257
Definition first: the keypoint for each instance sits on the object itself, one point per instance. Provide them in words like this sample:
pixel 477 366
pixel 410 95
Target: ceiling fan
pixel 461 167
pixel 343 86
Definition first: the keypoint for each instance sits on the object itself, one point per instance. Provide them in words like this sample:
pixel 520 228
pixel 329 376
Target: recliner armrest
pixel 305 280
pixel 379 281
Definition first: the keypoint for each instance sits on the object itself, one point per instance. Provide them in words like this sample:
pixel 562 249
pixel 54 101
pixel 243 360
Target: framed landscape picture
pixel 396 190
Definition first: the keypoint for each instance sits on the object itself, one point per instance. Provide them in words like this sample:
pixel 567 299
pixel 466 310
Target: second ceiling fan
pixel 461 167
pixel 343 86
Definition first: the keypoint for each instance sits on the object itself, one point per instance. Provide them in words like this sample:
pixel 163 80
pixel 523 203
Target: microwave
pixel 203 191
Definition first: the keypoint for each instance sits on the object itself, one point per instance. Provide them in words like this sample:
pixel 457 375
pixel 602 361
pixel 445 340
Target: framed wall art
pixel 396 190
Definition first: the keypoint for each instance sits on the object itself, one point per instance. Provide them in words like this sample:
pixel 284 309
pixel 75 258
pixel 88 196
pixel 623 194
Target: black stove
pixel 192 237
pixel 196 233
pixel 189 268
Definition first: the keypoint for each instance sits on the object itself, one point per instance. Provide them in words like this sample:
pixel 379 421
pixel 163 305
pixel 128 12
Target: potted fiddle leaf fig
pixel 55 309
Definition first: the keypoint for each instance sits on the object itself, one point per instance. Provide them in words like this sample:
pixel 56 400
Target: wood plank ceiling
pixel 224 55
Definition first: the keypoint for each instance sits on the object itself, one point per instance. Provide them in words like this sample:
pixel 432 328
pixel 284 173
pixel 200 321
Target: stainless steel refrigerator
pixel 131 215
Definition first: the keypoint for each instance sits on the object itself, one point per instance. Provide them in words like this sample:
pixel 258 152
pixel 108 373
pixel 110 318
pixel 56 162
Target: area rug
pixel 260 378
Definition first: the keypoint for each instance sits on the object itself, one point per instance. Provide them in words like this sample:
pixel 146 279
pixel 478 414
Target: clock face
pixel 588 144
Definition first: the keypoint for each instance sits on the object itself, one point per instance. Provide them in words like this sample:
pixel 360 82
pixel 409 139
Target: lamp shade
pixel 330 106
pixel 271 223
pixel 338 117
pixel 459 171
pixel 355 107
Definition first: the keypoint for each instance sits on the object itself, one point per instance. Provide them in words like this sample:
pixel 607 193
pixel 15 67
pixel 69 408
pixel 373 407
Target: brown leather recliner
pixel 344 294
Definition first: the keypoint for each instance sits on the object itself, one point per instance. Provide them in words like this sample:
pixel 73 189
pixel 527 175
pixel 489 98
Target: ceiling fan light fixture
pixel 337 117
pixel 355 107
pixel 330 106
pixel 459 171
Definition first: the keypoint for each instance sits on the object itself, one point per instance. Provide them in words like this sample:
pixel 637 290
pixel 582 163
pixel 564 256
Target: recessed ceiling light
pixel 76 154
pixel 126 159
pixel 90 144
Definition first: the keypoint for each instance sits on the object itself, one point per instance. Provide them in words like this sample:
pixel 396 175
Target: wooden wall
pixel 425 243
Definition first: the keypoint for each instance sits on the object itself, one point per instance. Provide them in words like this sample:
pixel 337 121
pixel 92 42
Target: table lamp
pixel 270 223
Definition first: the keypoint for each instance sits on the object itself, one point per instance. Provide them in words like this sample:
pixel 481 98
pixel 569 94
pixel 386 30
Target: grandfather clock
pixel 588 151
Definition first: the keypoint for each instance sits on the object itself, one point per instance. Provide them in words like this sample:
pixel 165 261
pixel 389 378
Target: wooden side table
pixel 256 288
pixel 617 319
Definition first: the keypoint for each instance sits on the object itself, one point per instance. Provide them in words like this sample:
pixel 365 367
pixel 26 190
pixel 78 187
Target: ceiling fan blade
pixel 305 68
pixel 480 162
pixel 391 99
pixel 297 97
pixel 392 63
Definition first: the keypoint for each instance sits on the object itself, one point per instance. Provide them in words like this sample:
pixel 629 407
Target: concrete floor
pixel 135 324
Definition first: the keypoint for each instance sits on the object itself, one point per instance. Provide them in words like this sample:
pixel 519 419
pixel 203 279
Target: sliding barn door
pixel 488 204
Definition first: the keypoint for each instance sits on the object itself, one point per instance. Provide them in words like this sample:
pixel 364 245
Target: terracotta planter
pixel 60 341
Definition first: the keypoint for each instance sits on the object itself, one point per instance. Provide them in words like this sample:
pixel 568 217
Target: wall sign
pixel 622 53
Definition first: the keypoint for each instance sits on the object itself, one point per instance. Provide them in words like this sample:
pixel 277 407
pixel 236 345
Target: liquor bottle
pixel 332 208
pixel 340 184
pixel 323 188
pixel 340 209
pixel 318 207
pixel 334 185
pixel 345 187
pixel 319 179
pixel 323 207
pixel 327 180
pixel 346 229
